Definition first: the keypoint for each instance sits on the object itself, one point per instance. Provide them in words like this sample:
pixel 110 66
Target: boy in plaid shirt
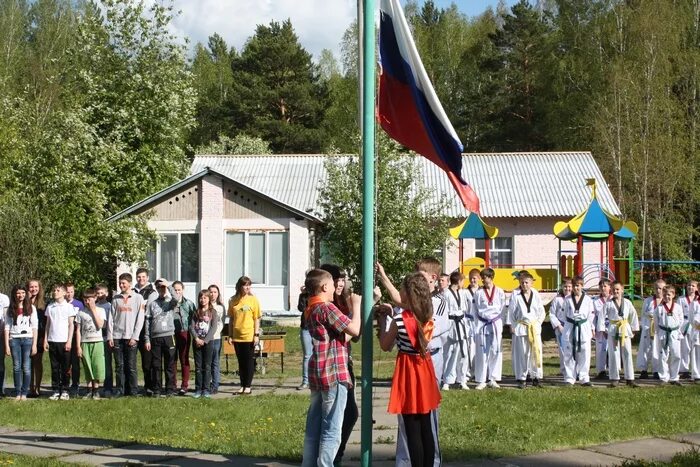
pixel 329 378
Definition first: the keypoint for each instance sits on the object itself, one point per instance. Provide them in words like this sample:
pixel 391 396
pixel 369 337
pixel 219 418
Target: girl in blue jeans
pixel 306 343
pixel 21 328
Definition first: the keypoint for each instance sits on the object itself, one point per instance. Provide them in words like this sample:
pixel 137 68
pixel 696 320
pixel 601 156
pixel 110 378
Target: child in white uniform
pixel 525 317
pixel 490 302
pixel 687 305
pixel 601 342
pixel 695 338
pixel 577 334
pixel 456 348
pixel 645 355
pixel 668 319
pixel 622 324
pixel 557 317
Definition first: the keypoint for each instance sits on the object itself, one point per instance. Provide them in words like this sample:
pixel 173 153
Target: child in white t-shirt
pixel 59 331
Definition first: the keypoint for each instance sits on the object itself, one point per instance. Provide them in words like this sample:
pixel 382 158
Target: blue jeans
pixel 323 426
pixel 307 347
pixel 21 349
pixel 215 365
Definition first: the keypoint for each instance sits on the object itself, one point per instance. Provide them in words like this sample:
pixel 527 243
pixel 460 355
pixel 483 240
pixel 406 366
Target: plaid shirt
pixel 328 364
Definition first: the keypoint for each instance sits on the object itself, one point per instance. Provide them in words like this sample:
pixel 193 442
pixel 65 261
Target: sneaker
pixel 96 395
pixel 480 386
pixel 587 384
pixel 685 375
pixel 613 384
pixel 302 387
pixel 536 382
pixel 656 375
pixel 445 387
pixel 116 394
pixel 206 395
pixel 644 375
pixel 169 394
pixel 493 384
pixel 89 395
pixel 675 383
pixel 521 384
pixel 55 396
pixel 197 394
pixel 65 396
pixel 23 397
pixel 182 392
pixel 155 394
pixel 631 383
pixel 464 386
pixel 601 375
pixel 33 395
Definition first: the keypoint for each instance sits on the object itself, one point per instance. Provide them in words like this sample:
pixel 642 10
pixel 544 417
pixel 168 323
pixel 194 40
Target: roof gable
pixel 156 198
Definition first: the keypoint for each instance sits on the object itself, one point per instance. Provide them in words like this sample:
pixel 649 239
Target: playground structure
pixel 594 224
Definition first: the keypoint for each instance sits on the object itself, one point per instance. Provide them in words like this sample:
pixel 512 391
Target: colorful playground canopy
pixel 474 227
pixel 595 223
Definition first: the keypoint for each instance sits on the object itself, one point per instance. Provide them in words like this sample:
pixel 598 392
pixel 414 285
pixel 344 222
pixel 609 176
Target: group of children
pixel 96 335
pixel 669 340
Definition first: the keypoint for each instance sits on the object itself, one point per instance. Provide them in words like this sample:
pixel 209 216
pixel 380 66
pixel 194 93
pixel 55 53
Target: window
pixel 175 257
pixel 262 256
pixel 501 251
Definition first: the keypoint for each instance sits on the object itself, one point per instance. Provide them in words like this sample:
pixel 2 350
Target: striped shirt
pixel 403 342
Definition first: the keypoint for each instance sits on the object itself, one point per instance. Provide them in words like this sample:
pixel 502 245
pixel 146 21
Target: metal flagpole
pixel 367 78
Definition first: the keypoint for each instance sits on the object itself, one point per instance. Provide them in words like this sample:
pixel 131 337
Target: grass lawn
pixel 509 422
pixel 685 459
pixel 31 461
pixel 472 424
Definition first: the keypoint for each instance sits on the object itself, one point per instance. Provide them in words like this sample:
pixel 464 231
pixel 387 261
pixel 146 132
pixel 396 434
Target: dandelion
pixel 212 424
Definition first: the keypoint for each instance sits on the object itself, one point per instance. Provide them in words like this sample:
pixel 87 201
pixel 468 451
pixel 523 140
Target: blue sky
pixel 472 7
pixel 319 23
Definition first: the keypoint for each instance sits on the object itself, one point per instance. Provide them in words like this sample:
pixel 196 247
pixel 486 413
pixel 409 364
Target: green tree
pixel 278 94
pixel 407 226
pixel 213 81
pixel 95 119
pixel 240 144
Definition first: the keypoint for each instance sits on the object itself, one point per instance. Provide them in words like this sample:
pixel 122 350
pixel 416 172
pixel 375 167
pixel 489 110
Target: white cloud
pixel 320 24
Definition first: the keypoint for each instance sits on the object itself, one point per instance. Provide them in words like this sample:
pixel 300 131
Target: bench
pixel 272 343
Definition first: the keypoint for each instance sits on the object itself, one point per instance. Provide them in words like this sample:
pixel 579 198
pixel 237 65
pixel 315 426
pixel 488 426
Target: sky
pixel 319 23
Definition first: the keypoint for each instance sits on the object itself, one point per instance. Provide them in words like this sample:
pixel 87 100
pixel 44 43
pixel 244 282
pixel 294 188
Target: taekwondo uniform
pixel 622 323
pixel 668 336
pixel 525 316
pixel 576 338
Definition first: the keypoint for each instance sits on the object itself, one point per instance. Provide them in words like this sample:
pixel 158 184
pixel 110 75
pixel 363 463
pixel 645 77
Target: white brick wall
pixel 211 232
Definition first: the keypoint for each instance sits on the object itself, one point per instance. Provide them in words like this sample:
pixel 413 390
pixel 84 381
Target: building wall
pixel 211 233
pixel 182 205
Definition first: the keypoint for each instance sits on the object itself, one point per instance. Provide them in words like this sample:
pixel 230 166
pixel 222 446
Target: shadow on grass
pixel 76 449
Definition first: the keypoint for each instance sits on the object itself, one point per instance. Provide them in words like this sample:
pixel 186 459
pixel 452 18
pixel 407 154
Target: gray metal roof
pixel 536 184
pixel 155 198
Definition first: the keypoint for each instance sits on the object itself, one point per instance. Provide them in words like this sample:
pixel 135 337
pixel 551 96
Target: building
pixel 258 215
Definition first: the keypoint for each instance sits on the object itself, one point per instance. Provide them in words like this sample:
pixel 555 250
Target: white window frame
pixel 246 255
pixel 493 250
pixel 156 271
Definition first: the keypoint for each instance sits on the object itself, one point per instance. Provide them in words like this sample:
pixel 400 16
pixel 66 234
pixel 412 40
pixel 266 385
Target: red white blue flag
pixel 408 108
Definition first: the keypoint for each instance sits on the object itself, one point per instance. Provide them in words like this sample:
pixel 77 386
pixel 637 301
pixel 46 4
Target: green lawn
pixel 472 424
pixel 685 459
pixel 508 422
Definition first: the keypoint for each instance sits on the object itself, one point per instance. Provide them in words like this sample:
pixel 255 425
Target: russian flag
pixel 408 108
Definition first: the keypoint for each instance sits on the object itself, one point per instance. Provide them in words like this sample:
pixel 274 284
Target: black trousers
pixel 419 437
pixel 245 353
pixel 202 366
pixel 163 358
pixel 60 366
pixel 146 363
pixel 75 364
pixel 125 371
pixel 349 417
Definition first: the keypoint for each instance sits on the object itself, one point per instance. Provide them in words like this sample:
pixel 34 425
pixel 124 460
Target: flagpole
pixel 368 84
